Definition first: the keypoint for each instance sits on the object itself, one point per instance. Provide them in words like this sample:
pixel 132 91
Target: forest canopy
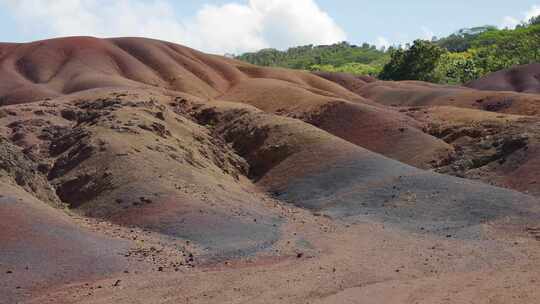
pixel 461 57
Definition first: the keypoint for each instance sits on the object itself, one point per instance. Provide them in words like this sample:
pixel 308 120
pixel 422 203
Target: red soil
pixel 524 78
pixel 216 181
pixel 352 83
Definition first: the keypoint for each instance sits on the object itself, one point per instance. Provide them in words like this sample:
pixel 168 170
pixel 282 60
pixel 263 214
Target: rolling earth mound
pixel 50 68
pixel 420 94
pixel 141 171
pixel 352 83
pixel 523 78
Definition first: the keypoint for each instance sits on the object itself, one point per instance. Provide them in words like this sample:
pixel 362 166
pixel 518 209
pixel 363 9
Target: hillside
pixel 341 57
pixel 523 78
pixel 462 57
pixel 141 171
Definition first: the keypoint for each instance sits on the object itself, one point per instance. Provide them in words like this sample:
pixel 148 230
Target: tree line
pixel 463 56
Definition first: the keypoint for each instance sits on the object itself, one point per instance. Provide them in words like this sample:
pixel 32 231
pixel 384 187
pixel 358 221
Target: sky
pixel 237 26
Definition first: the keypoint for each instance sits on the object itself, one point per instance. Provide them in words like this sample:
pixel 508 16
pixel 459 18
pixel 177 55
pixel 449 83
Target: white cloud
pixel 532 12
pixel 511 22
pixel 427 33
pixel 382 42
pixel 231 27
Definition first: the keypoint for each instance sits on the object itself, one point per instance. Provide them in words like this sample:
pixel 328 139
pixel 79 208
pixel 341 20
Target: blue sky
pixel 409 19
pixel 234 26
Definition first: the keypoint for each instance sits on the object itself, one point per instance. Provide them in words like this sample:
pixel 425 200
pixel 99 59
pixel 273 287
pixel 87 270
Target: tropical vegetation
pixel 461 57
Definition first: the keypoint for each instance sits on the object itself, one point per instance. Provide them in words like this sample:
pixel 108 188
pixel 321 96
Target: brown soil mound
pixel 140 171
pixel 351 82
pixel 42 247
pixel 500 149
pixel 358 121
pixel 523 78
pixel 50 68
pixel 414 93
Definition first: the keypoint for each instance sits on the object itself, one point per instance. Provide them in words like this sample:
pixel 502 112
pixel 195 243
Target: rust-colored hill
pixel 352 83
pixel 53 68
pixel 140 171
pixel 523 78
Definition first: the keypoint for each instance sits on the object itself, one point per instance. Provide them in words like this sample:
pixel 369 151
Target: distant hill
pixel 340 57
pixel 459 58
pixel 463 39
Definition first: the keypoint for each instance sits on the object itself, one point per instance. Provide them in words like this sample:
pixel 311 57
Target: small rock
pixel 43 168
pixel 160 115
pixel 145 200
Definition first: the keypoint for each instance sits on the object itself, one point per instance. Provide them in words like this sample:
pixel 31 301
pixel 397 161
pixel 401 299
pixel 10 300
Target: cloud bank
pixel 227 28
pixel 511 22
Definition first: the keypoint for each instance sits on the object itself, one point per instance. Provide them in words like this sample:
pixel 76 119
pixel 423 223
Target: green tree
pixel 534 20
pixel 462 40
pixel 418 62
pixel 351 68
pixel 303 57
pixel 502 49
pixel 457 68
pixel 463 56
